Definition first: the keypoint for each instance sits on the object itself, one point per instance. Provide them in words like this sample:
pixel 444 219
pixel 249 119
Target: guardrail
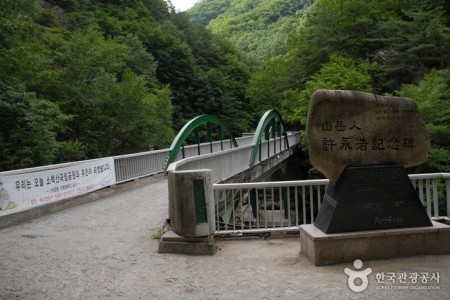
pixel 133 166
pixel 284 206
pixel 227 163
pixel 25 189
pixel 434 192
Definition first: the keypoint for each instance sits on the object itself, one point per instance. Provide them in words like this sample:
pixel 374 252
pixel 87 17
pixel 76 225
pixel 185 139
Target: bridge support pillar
pixel 191 214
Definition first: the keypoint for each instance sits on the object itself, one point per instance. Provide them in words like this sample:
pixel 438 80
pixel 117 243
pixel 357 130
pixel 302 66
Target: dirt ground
pixel 104 250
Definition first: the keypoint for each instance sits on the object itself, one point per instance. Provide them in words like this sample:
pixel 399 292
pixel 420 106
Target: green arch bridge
pixel 269 127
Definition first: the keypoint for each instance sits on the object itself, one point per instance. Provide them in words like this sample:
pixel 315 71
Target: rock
pixel 348 128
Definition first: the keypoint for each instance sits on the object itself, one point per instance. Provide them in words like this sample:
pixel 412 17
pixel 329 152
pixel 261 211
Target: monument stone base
pixel 371 198
pixel 328 249
pixel 171 242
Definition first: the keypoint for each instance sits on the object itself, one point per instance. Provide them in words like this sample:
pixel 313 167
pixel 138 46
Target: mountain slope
pixel 259 28
pixel 87 79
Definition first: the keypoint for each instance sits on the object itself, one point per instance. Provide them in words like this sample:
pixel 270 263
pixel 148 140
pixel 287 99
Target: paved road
pixel 104 250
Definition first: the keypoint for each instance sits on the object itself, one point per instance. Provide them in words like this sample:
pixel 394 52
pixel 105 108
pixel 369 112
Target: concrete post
pixel 191 203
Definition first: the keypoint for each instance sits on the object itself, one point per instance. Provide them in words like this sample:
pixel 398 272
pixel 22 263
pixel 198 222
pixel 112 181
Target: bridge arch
pixel 193 126
pixel 271 125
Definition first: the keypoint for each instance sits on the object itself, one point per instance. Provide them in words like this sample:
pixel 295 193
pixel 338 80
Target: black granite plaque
pixel 369 198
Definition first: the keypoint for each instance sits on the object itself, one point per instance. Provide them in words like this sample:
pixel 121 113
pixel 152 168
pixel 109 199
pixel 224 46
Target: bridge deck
pixel 104 249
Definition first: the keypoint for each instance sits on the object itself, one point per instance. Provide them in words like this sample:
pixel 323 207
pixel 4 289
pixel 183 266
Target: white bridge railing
pixel 283 206
pixel 133 166
pixel 227 163
pixel 32 187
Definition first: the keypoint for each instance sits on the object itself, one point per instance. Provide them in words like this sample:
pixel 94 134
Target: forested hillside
pixel 259 28
pixel 93 78
pixel 382 46
pixel 88 78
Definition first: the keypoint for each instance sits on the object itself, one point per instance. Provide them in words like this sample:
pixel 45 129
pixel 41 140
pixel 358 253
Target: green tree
pixel 432 96
pixel 346 28
pixel 131 118
pixel 84 79
pixel 28 134
pixel 30 123
pixel 256 27
pixel 113 111
pixel 340 73
pixel 266 86
pixel 205 11
pixel 413 42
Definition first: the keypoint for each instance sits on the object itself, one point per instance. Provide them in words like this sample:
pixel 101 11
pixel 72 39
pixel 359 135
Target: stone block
pixel 356 249
pixel 439 242
pixel 329 251
pixel 411 244
pixel 444 238
pixel 434 244
pixel 382 247
pixel 326 249
pixel 303 242
pixel 310 249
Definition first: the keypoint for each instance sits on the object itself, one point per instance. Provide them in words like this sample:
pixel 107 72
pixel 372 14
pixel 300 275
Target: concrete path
pixel 104 250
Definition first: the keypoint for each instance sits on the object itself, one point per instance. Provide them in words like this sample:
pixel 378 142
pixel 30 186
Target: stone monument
pixel 363 142
pixel 347 128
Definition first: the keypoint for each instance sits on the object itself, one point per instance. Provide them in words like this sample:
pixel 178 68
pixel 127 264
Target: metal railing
pixel 227 163
pixel 434 192
pixel 133 166
pixel 126 168
pixel 284 206
pixel 137 165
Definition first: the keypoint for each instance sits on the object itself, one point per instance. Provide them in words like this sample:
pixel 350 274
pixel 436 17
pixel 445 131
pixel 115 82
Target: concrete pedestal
pixel 191 214
pixel 327 249
pixel 171 242
pixel 191 203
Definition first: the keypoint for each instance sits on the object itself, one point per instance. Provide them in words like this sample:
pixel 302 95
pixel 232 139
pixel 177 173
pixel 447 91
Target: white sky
pixel 183 5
